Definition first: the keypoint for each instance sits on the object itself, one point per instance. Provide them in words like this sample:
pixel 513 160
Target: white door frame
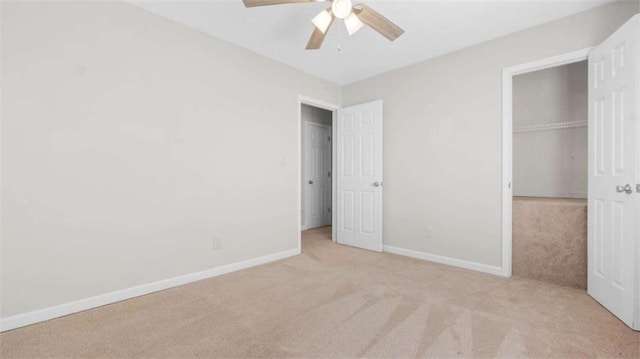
pixel 507 140
pixel 334 110
pixel 307 213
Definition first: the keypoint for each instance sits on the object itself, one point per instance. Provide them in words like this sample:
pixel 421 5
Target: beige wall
pixel 129 142
pixel 442 135
pixel 315 115
pixel 551 163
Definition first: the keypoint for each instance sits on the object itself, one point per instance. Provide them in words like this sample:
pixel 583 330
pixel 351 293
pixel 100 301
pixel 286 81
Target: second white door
pixel 318 175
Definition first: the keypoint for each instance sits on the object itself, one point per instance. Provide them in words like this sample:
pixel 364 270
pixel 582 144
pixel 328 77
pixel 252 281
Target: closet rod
pixel 551 126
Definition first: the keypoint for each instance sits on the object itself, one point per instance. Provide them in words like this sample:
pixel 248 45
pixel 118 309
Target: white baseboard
pixel 42 315
pixel 444 260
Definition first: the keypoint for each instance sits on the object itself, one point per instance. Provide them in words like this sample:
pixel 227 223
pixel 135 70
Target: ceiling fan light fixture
pixel 354 18
pixel 322 21
pixel 353 23
pixel 341 8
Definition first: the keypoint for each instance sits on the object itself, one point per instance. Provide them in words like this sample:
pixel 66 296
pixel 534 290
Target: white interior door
pixel 614 198
pixel 359 176
pixel 318 173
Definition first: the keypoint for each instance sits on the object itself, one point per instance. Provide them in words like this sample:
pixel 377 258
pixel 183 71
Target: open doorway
pixel 317 196
pixel 357 187
pixel 550 159
pixel 613 278
pixel 545 160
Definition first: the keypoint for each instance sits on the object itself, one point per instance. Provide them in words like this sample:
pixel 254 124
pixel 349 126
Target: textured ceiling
pixel 432 28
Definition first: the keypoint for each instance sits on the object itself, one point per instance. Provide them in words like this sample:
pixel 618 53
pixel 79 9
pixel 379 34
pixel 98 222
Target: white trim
pixel 507 140
pixel 334 170
pixel 636 323
pixel 61 310
pixel 318 103
pixel 549 62
pixel 1 176
pixel 479 267
pixel 334 109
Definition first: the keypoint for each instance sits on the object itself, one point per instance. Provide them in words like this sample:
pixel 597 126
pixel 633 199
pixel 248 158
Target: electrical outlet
pixel 216 243
pixel 428 232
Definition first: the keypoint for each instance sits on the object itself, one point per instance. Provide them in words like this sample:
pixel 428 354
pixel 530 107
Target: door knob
pixel 310 182
pixel 376 184
pixel 627 189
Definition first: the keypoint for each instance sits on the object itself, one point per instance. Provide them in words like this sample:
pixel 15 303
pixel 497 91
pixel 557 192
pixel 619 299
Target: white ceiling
pixel 433 28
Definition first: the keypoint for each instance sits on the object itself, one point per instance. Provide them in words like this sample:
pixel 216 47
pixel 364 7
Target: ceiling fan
pixel 355 17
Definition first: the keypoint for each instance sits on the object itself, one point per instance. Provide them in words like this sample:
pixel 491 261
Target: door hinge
pixel 330 176
pixel 329 138
pixel 329 210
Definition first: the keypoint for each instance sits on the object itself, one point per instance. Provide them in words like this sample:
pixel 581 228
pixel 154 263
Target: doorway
pixel 613 277
pixel 320 118
pixel 550 140
pixel 537 125
pixel 356 189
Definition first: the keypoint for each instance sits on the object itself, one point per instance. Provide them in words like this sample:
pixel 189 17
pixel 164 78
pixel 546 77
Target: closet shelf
pixel 551 126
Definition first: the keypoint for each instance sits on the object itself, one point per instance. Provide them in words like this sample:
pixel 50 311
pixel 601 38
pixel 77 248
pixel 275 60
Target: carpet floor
pixel 337 301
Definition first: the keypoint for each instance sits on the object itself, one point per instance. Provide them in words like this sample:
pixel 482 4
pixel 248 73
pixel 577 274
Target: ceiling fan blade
pixel 378 22
pixel 317 36
pixel 254 3
pixel 316 39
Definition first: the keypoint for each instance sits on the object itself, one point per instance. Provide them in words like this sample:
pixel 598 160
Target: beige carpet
pixel 336 301
pixel 550 240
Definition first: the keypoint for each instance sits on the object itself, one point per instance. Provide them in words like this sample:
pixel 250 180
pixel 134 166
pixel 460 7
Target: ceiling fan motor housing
pixel 341 8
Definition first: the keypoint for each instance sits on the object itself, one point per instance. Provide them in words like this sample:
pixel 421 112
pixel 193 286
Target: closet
pixel 550 112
